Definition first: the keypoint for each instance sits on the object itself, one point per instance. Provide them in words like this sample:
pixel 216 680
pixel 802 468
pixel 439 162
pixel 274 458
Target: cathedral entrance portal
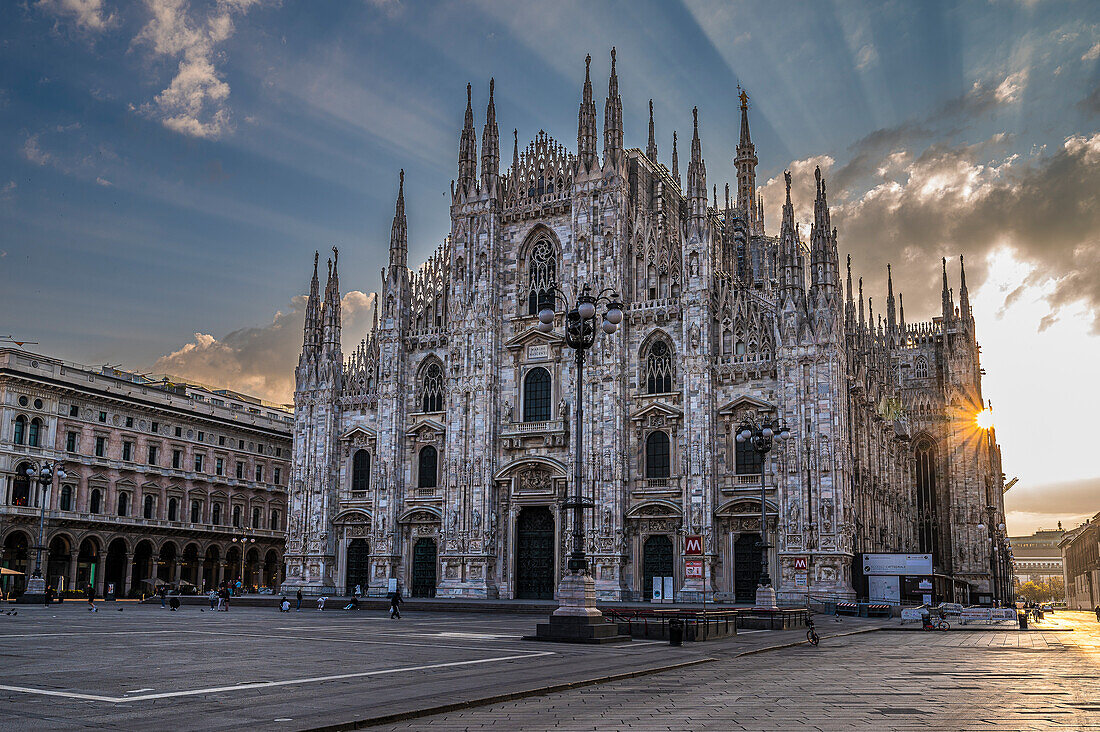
pixel 656 561
pixel 535 554
pixel 358 565
pixel 746 567
pixel 423 568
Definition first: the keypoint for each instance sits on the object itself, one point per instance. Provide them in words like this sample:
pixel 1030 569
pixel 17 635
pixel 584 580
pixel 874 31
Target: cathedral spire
pixel 697 172
pixel 891 314
pixel 467 148
pixel 862 322
pixel 945 296
pixel 901 314
pixel 675 161
pixel 399 238
pixel 823 265
pixel 612 117
pixel 964 294
pixel 651 148
pixel 849 302
pixel 791 281
pixel 331 312
pixel 586 123
pixel 490 143
pixel 744 162
pixel 312 340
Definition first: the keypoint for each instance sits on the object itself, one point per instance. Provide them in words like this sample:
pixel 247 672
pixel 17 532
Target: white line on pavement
pixel 266 684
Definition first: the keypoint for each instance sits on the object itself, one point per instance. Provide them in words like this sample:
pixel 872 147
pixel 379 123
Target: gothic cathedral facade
pixel 438 453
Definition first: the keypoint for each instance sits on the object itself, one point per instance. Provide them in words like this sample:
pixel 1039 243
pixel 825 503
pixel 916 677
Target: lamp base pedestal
pixel 765 598
pixel 577 619
pixel 35 594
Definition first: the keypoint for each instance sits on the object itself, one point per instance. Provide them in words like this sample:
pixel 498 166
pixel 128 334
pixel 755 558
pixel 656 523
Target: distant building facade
pixel 438 453
pixel 163 479
pixel 1037 558
pixel 1081 565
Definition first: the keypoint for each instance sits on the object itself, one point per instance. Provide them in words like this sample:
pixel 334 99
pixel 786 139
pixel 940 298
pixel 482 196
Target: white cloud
pixel 7 189
pixel 34 153
pixel 260 361
pixel 104 182
pixel 867 56
pixel 195 102
pixel 1092 54
pixel 88 16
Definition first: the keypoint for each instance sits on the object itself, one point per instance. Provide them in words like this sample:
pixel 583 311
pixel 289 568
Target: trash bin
pixel 1022 617
pixel 676 632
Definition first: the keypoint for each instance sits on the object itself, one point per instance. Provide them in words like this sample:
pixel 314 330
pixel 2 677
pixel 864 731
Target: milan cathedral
pixel 438 453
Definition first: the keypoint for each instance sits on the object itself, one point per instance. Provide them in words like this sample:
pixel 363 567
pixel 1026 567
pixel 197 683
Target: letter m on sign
pixel 693 545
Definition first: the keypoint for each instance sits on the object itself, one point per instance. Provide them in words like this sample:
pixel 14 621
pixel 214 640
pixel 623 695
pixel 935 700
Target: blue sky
pixel 167 167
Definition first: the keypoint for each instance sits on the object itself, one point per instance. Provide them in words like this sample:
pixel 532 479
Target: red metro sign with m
pixel 693 545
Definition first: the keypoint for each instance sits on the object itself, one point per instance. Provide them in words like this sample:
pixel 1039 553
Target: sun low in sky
pixel 169 166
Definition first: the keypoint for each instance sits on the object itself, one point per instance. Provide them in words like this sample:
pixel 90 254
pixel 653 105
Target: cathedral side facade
pixel 438 453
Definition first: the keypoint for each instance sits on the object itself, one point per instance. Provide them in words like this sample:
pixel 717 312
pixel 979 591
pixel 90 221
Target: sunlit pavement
pixel 1044 678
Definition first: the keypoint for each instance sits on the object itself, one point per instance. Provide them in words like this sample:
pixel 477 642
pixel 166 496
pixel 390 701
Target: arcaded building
pixel 438 453
pixel 164 479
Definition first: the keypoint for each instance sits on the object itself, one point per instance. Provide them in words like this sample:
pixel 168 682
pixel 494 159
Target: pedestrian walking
pixel 1098 613
pixel 47 596
pixel 174 603
pixel 298 607
pixel 226 597
pixel 213 599
pixel 163 592
pixel 240 587
pixel 395 604
pixel 89 592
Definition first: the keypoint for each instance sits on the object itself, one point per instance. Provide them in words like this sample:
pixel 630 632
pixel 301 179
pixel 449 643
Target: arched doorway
pixel 274 570
pixel 535 554
pixel 57 563
pixel 166 567
pixel 87 564
pixel 357 571
pixel 143 575
pixel 233 565
pixel 21 486
pixel 210 568
pixel 191 566
pixel 114 568
pixel 656 561
pixel 251 567
pixel 17 557
pixel 423 568
pixel 746 567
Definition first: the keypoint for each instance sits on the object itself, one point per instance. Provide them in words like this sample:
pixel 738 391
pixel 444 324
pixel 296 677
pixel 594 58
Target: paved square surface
pixel 958 680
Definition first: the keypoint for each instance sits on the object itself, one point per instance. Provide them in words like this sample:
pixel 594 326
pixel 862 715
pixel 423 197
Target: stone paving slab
pixel 146 668
pixel 1000 680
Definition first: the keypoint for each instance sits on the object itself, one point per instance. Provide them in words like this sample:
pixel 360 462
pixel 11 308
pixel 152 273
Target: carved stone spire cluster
pixel 467 149
pixel 745 163
pixel 697 172
pixel 613 118
pixel 399 232
pixel 651 148
pixel 490 144
pixel 586 124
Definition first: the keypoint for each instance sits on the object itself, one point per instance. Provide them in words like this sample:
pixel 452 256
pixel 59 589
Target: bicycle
pixel 811 634
pixel 938 624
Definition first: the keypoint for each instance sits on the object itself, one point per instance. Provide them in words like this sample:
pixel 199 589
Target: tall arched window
pixel 360 471
pixel 657 458
pixel 255 518
pixel 173 509
pixel 431 388
pixel 926 497
pixel 95 501
pixel 66 503
pixel 541 277
pixel 216 514
pixel 20 430
pixel 147 510
pixel 658 368
pixel 920 368
pixel 426 475
pixel 273 524
pixel 237 517
pixel 34 432
pixel 748 460
pixel 196 512
pixel 123 504
pixel 536 396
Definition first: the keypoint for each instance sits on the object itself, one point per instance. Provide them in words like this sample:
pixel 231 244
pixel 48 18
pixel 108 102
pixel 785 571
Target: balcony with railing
pixel 651 486
pixel 731 484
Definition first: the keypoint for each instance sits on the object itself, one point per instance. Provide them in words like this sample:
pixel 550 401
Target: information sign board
pixel 693 545
pixel 897 564
pixel 800 563
pixel 693 569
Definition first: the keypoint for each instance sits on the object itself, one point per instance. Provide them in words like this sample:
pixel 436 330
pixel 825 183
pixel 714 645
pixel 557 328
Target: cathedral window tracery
pixel 536 396
pixel 541 277
pixel 432 389
pixel 427 468
pixel 360 472
pixel 658 463
pixel 657 374
pixel 920 368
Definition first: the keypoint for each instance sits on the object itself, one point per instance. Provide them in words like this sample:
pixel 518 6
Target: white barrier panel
pixel 911 613
pixel 987 615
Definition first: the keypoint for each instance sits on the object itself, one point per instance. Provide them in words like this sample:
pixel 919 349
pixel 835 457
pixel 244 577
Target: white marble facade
pixel 439 452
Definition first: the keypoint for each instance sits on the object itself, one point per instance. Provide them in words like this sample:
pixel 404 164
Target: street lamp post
pixel 42 473
pixel 761 438
pixel 244 541
pixel 577 618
